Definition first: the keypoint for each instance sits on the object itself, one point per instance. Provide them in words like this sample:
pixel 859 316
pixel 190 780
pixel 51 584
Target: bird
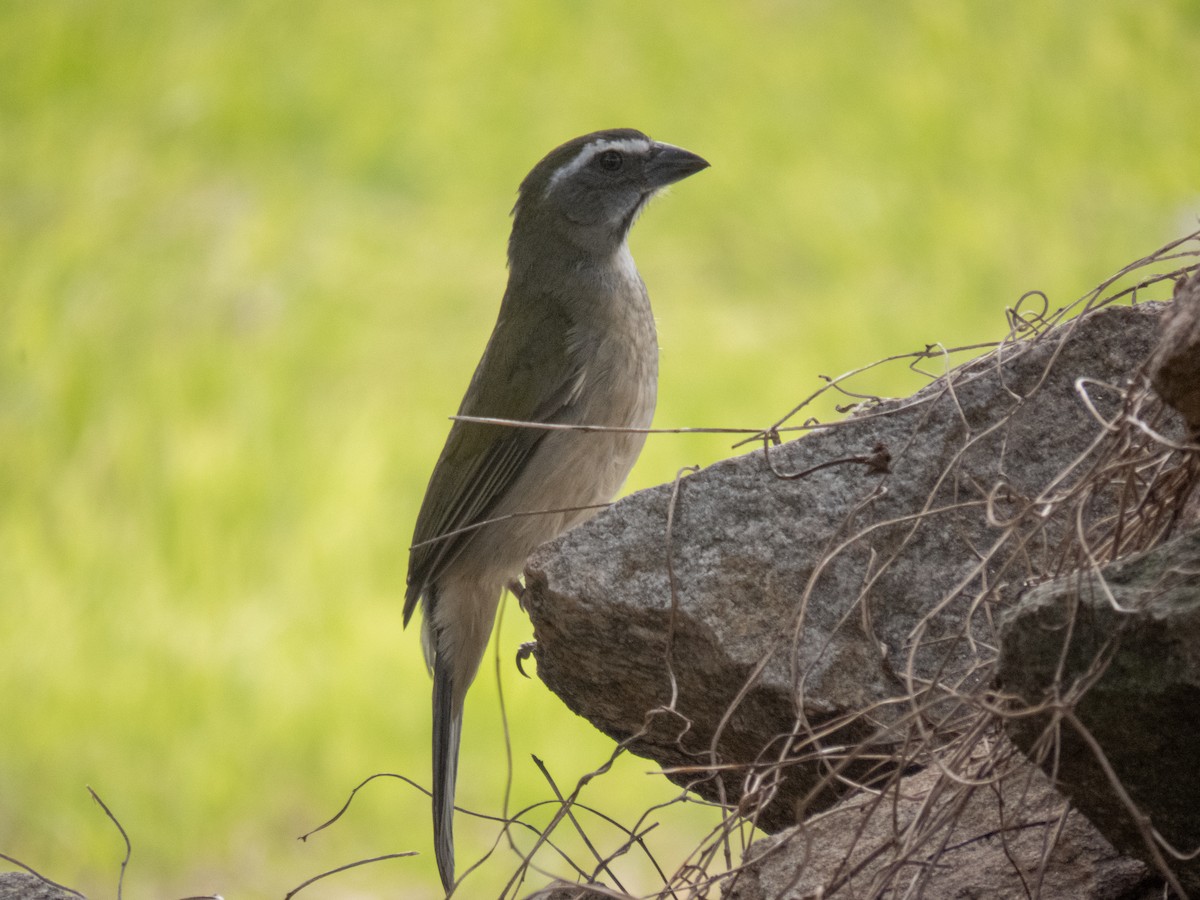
pixel 574 344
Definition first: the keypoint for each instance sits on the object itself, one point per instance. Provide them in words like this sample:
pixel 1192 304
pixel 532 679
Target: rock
pixel 806 615
pixel 930 836
pixel 1175 366
pixel 1175 372
pixel 1121 648
pixel 24 886
pixel 563 890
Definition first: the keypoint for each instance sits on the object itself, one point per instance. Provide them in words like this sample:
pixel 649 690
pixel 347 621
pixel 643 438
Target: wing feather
pixel 529 374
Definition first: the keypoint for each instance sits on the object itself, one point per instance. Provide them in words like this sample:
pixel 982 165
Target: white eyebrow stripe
pixel 588 153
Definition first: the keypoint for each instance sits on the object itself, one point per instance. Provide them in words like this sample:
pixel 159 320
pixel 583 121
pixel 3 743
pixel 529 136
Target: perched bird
pixel 574 344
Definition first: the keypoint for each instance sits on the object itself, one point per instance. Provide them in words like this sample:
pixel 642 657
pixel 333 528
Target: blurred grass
pixel 249 254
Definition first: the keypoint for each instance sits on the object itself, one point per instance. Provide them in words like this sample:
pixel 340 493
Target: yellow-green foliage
pixel 249 253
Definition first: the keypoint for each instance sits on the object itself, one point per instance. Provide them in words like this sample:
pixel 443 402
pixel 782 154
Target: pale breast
pixel 572 470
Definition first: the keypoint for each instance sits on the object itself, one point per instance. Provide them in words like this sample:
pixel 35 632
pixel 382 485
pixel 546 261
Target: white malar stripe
pixel 588 153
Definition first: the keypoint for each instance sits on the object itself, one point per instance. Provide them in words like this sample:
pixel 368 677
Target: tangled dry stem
pixel 1125 494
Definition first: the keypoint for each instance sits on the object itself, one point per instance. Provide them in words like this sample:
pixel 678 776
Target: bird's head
pixel 588 192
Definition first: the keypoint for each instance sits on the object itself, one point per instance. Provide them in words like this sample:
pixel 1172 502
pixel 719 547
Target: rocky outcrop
pixel 808 634
pixel 1007 839
pixel 783 616
pixel 24 886
pixel 1106 666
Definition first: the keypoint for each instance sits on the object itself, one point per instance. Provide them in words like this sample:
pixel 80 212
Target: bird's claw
pixel 523 653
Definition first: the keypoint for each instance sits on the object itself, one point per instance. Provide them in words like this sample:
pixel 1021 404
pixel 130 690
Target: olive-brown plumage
pixel 574 343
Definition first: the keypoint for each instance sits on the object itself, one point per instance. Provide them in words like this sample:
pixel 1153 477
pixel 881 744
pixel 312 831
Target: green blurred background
pixel 250 252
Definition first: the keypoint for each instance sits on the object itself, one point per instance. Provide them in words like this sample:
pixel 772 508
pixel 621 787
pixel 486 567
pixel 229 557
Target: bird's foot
pixel 525 651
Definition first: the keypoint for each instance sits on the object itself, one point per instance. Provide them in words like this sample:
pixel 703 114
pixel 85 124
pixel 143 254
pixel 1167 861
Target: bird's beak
pixel 670 164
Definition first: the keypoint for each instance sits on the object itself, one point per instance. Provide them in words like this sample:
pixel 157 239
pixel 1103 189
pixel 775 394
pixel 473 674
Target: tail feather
pixel 447 728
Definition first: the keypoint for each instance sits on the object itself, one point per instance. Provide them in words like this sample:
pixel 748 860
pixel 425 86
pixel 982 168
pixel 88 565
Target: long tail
pixel 447 727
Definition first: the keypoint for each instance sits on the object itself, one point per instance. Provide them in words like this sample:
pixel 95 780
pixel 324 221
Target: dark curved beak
pixel 669 164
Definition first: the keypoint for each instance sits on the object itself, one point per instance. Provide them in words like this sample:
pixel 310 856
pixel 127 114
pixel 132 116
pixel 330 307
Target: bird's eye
pixel 610 160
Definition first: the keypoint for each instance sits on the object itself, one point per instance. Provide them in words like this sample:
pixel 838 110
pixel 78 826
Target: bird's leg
pixel 526 649
pixel 517 590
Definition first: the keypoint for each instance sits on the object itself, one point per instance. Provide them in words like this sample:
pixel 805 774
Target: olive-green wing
pixel 527 374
